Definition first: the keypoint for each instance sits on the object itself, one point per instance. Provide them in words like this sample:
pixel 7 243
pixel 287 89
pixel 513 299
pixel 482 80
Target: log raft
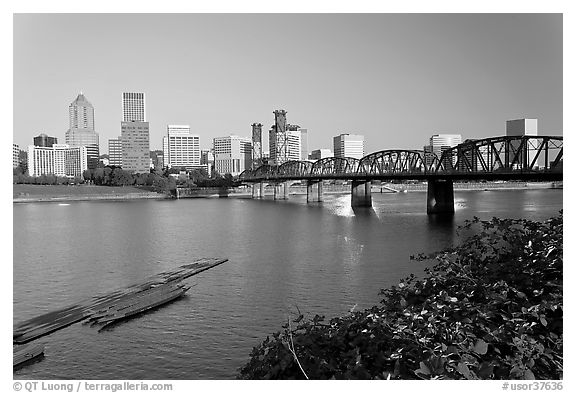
pixel 104 306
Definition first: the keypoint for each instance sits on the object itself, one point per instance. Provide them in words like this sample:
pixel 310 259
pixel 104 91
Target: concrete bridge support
pixel 281 190
pixel 314 191
pixel 257 190
pixel 440 196
pixel 361 193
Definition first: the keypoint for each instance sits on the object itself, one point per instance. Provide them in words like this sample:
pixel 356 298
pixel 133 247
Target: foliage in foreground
pixel 490 309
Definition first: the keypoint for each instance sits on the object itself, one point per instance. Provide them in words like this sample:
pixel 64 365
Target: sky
pixel 397 79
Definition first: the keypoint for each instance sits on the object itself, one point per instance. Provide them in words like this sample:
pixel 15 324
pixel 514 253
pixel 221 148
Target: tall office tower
pixel 15 155
pixel 523 127
pixel 82 131
pixel 44 140
pixel 115 152
pixel 59 160
pixel 349 145
pixel 303 143
pixel 278 139
pixel 232 154
pixel 319 154
pixel 133 107
pixel 256 145
pixel 135 134
pixel 291 149
pixel 439 143
pixel 181 148
pixel 135 146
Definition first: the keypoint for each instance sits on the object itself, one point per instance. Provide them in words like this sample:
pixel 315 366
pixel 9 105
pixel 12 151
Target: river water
pixel 284 256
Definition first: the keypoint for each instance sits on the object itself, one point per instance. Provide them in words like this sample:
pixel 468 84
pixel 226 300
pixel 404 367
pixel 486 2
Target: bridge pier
pixel 440 197
pixel 281 190
pixel 314 191
pixel 361 193
pixel 258 190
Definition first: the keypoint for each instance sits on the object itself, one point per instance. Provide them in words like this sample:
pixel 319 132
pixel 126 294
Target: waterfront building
pixel 115 152
pixel 15 155
pixel 157 157
pixel 135 138
pixel 303 143
pixel 207 160
pixel 523 127
pixel 60 160
pixel 133 107
pixel 181 147
pixel 82 131
pixel 349 145
pixel 44 140
pixel 292 145
pixel 318 154
pixel 232 154
pixel 439 143
pixel 135 134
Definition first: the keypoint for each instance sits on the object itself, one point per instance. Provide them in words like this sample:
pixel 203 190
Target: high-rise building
pixel 303 143
pixel 82 131
pixel 135 146
pixel 181 147
pixel 232 154
pixel 44 140
pixel 115 152
pixel 439 143
pixel 59 160
pixel 133 107
pixel 318 154
pixel 15 155
pixel 349 145
pixel 523 127
pixel 135 134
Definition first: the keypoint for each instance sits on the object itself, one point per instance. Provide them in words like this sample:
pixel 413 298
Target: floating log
pixel 25 354
pixel 149 304
pixel 50 322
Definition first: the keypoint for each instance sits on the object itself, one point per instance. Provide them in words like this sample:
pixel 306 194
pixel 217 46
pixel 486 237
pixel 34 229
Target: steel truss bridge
pixel 497 158
pixel 535 158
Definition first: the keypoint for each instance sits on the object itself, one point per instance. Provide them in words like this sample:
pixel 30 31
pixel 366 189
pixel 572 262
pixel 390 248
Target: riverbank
pixel 25 193
pixel 492 308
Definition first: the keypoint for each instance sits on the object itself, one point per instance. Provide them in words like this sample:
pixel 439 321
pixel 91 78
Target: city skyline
pixel 377 75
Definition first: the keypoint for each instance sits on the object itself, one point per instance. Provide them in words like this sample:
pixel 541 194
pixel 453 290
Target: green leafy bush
pixel 491 308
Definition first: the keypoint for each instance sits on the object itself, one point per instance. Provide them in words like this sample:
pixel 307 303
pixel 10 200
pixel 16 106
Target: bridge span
pixel 528 158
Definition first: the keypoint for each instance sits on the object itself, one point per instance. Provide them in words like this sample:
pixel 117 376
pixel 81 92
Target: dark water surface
pixel 322 258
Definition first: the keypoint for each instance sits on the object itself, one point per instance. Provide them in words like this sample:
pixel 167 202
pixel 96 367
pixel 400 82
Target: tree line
pixel 157 180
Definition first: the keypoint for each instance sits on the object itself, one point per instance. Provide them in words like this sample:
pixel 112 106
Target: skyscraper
pixel 135 134
pixel 349 145
pixel 442 142
pixel 232 154
pixel 181 147
pixel 522 127
pixel 82 131
pixel 292 145
pixel 133 107
pixel 115 152
pixel 44 140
